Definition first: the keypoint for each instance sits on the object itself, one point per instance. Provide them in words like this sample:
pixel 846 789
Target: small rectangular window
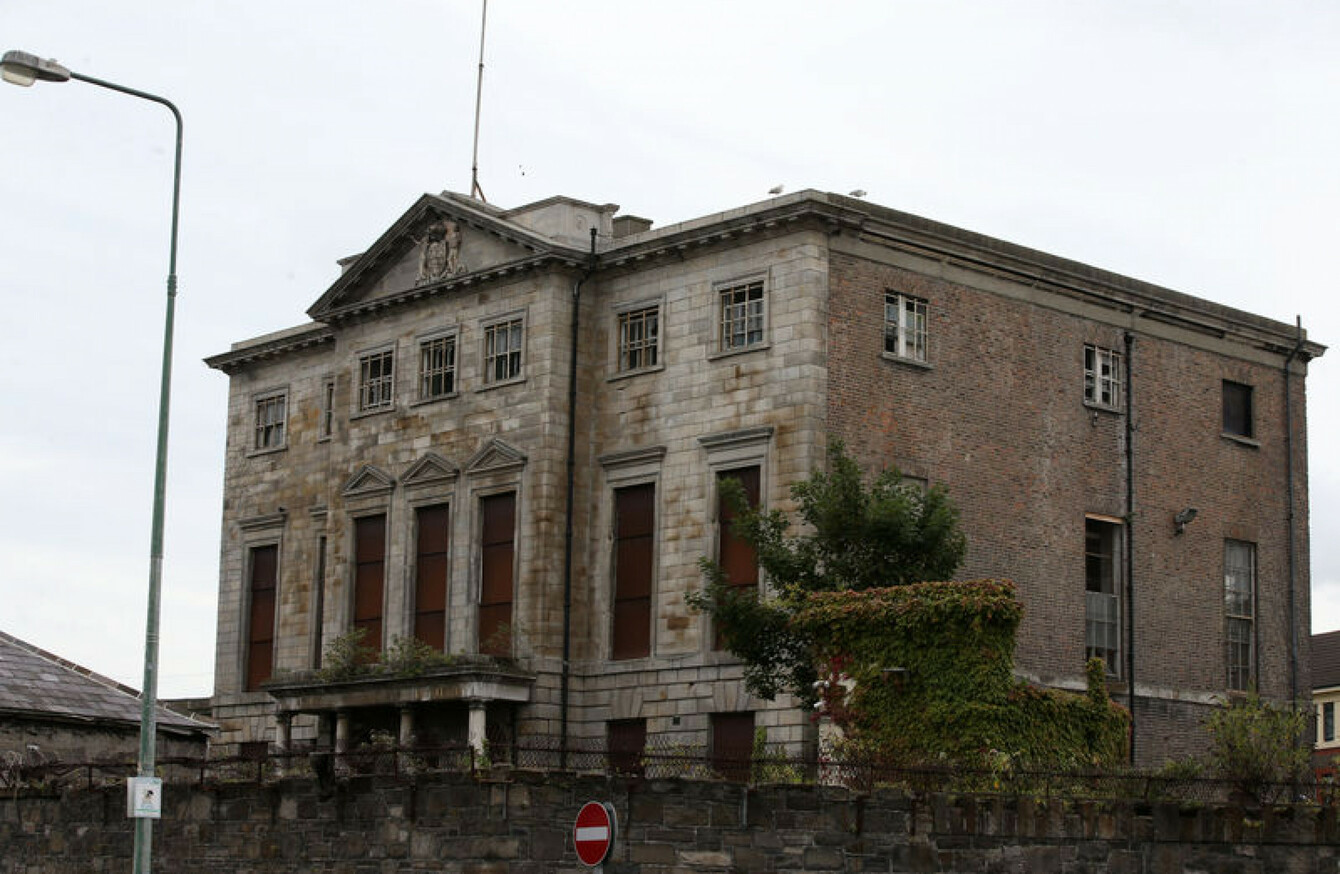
pixel 1239 612
pixel 327 409
pixel 639 338
pixel 1328 721
pixel 1103 376
pixel 437 367
pixel 502 351
pixel 1238 409
pixel 376 380
pixel 905 330
pixel 732 745
pixel 271 421
pixel 741 315
pixel 625 744
pixel 1102 601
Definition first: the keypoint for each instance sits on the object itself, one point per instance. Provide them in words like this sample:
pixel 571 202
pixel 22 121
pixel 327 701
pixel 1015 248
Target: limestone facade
pixel 771 328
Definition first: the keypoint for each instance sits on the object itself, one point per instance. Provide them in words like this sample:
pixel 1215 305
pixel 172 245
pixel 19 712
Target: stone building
pixel 53 710
pixel 503 430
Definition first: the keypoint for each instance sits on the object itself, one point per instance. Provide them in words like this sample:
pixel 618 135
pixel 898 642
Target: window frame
pixel 357 560
pixel 482 551
pixel 1240 626
pixel 909 308
pixel 265 399
pixel 326 424
pixel 1112 535
pixel 488 332
pixel 1326 722
pixel 1239 411
pixel 364 406
pixel 616 565
pixel 250 638
pixel 1096 381
pixel 452 371
pixel 753 338
pixel 623 351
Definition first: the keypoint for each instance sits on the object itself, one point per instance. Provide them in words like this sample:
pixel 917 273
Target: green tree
pixel 853 535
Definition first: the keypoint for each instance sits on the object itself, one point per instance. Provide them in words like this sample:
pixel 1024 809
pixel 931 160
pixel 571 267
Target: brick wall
pixel 521 824
pixel 998 416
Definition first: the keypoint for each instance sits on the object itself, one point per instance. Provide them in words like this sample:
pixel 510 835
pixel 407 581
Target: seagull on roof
pixel 777 189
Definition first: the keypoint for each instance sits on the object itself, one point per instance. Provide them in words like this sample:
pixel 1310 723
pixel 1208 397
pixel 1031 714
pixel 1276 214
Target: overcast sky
pixel 1193 145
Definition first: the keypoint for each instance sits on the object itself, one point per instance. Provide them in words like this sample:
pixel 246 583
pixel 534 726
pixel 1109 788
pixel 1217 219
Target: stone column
pixel 283 733
pixel 406 736
pixel 342 731
pixel 477 734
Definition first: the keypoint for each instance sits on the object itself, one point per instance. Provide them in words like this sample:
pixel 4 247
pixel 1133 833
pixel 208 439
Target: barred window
pixel 639 338
pixel 502 351
pixel 271 419
pixel 905 326
pixel 1102 376
pixel 741 309
pixel 376 379
pixel 1239 612
pixel 437 367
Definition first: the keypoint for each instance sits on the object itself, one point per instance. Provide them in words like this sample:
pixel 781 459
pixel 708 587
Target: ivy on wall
pixel 925 672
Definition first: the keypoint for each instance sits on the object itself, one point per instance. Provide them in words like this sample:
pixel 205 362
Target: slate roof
pixel 1326 660
pixel 36 684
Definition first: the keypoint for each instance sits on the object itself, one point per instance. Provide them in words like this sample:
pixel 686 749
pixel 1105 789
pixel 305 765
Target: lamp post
pixel 21 68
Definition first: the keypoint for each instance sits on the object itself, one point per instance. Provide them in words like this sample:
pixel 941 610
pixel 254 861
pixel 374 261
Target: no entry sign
pixel 593 833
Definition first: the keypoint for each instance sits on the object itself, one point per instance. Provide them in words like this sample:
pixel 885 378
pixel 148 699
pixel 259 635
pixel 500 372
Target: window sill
pixel 1241 440
pixel 1103 408
pixel 376 411
pixel 423 402
pixel 910 362
pixel 516 380
pixel 730 353
pixel 269 450
pixel 626 374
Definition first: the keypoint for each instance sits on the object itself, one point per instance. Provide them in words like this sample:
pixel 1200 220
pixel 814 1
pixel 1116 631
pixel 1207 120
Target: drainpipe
pixel 567 524
pixel 1293 548
pixel 1130 540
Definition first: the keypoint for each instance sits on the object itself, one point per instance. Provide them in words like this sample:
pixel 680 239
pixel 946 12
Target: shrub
pixel 1256 745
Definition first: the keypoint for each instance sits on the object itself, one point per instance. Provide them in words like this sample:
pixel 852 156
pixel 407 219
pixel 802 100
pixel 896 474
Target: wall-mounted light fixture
pixel 1182 519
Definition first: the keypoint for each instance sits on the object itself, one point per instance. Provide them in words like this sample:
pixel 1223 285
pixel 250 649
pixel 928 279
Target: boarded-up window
pixel 369 578
pixel 261 619
pixel 737 558
pixel 634 528
pixel 497 556
pixel 430 576
pixel 626 740
pixel 732 744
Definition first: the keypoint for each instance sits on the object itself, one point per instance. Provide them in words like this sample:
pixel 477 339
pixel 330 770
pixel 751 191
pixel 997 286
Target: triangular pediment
pixel 368 481
pixel 431 470
pixel 441 242
pixel 494 456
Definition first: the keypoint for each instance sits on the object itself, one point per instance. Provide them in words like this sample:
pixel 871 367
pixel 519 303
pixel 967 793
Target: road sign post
pixel 594 831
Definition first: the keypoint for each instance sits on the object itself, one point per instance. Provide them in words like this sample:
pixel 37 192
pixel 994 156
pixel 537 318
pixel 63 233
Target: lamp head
pixel 1183 518
pixel 21 68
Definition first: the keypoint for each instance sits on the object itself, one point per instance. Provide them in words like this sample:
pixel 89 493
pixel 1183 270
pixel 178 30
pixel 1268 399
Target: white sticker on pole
pixel 144 798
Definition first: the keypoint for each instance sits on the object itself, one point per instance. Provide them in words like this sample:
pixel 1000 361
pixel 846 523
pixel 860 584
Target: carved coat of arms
pixel 440 256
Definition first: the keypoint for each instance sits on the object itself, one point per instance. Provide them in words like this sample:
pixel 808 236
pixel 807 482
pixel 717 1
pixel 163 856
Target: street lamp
pixel 21 68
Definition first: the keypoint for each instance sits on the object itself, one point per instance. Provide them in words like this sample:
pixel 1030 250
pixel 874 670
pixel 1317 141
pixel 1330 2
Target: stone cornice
pixel 271 346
